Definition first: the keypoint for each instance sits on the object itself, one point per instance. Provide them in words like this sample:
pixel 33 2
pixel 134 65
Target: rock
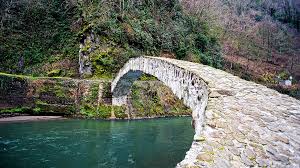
pixel 205 157
pixel 220 162
pixel 246 160
pixel 282 139
pixel 281 158
pixel 263 162
pixel 249 153
pixel 236 164
pixel 234 151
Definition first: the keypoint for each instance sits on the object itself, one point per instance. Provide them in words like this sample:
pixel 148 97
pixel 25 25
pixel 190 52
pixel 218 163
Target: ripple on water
pixel 130 159
pixel 7 142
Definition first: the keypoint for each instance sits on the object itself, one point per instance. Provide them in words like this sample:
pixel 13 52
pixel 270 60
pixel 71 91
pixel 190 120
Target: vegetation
pixel 35 32
pixel 131 28
pixel 16 110
pixel 44 32
pixel 155 99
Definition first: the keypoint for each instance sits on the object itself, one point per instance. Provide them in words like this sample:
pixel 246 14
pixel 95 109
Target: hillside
pixel 257 40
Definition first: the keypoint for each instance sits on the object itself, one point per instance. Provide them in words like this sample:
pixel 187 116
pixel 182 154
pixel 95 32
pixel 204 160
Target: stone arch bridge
pixel 237 123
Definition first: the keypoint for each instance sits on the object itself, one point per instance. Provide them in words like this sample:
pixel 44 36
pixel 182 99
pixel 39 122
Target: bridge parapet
pixel 237 123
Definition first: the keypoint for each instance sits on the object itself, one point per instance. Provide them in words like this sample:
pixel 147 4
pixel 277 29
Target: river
pixel 153 143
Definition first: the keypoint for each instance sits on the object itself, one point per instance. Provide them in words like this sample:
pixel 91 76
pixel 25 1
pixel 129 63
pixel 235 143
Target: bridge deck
pixel 247 124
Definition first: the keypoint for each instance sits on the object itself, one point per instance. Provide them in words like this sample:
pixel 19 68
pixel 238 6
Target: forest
pixel 257 40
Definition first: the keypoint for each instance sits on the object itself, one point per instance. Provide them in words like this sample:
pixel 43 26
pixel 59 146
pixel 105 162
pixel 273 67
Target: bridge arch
pixel 238 123
pixel 185 84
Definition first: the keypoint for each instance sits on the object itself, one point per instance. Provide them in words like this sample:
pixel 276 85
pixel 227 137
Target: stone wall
pixel 51 95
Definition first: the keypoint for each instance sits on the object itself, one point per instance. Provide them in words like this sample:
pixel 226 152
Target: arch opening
pixel 186 85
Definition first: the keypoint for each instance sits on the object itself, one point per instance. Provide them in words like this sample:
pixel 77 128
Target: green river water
pixel 154 143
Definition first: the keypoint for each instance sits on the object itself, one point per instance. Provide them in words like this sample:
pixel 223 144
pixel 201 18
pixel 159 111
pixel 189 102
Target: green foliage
pixel 103 64
pixel 146 28
pixel 102 111
pixel 37 110
pixel 268 78
pixel 119 111
pixel 16 110
pixel 284 75
pixel 33 32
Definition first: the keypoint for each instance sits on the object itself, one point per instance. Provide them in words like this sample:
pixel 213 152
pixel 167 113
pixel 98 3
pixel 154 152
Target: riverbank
pixel 29 118
pixel 78 116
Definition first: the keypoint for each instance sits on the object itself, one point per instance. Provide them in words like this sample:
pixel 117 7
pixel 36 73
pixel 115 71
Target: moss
pixel 22 77
pixel 221 148
pixel 55 73
pixel 27 77
pixel 252 158
pixel 86 48
pixel 85 29
pixel 146 77
pixel 53 108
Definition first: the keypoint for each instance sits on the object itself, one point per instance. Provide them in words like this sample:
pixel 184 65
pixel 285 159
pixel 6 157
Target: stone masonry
pixel 237 123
